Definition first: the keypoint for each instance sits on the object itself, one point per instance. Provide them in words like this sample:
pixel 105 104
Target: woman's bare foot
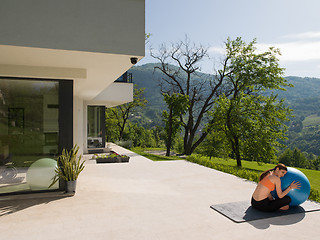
pixel 286 207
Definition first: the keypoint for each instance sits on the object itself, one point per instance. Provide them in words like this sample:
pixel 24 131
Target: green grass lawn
pixel 312 175
pixel 153 157
pixel 250 170
pixel 312 120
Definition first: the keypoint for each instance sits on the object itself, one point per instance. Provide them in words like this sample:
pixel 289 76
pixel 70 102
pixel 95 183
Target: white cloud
pixel 216 50
pixel 299 47
pixel 296 51
pixel 303 36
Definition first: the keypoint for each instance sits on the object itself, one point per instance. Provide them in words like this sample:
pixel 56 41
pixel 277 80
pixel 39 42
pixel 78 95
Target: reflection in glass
pixel 96 127
pixel 29 131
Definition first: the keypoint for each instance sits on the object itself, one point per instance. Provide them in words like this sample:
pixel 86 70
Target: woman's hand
pixel 295 185
pixel 270 196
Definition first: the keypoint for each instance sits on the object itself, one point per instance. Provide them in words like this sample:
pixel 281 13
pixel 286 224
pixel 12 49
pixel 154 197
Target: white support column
pixel 85 127
pixel 78 124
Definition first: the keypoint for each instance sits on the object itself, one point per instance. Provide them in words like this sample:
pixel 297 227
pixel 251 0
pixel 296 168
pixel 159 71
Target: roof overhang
pixel 92 72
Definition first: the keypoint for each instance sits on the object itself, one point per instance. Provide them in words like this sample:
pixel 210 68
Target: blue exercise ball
pixel 298 196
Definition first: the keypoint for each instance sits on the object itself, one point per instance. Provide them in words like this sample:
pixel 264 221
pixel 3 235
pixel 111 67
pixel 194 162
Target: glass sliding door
pixel 29 134
pixel 96 127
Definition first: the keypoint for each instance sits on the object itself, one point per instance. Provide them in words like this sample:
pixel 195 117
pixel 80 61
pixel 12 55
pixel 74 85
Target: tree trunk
pixel 169 141
pixel 122 130
pixel 187 150
pixel 168 151
pixel 188 146
pixel 238 157
pixel 237 151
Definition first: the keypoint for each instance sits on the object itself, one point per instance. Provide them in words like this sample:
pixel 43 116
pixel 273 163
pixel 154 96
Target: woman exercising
pixel 270 180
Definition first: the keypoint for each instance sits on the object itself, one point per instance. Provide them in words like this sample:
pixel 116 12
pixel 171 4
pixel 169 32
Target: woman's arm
pixel 281 194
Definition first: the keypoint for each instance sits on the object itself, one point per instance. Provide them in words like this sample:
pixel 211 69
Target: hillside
pixel 303 98
pixel 145 77
pixel 303 88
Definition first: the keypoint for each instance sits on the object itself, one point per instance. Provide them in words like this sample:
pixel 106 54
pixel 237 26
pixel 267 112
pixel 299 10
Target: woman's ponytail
pixel 266 173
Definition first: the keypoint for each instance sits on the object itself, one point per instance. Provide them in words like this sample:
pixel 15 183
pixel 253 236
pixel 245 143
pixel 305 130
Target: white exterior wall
pixel 116 94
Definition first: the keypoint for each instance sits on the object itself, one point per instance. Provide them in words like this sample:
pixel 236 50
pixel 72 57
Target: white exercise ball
pixel 41 173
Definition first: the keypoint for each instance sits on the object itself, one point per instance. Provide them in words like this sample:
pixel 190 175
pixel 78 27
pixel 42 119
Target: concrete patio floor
pixel 148 200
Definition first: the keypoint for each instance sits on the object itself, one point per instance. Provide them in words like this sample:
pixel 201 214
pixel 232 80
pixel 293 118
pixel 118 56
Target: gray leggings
pixel 268 205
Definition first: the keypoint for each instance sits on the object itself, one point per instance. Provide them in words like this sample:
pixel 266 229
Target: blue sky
pixel 291 25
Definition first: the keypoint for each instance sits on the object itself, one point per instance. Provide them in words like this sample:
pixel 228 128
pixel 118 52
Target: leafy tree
pixel 139 136
pixel 214 145
pixel 286 157
pixel 252 125
pixel 177 105
pixel 121 113
pixel 299 159
pixel 316 164
pixel 112 130
pixel 157 134
pixel 293 158
pixel 252 122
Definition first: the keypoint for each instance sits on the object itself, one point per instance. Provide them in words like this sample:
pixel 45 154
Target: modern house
pixel 59 62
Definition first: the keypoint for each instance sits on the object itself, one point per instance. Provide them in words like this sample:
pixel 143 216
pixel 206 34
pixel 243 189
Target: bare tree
pixel 180 65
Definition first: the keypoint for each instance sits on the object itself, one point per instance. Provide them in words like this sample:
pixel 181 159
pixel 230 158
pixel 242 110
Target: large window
pixel 96 127
pixel 29 134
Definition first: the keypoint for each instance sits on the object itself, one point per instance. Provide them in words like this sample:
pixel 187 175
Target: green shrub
pixel 314 195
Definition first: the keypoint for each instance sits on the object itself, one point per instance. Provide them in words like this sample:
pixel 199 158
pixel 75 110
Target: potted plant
pixel 69 167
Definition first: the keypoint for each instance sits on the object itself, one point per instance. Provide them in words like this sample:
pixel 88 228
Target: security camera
pixel 134 60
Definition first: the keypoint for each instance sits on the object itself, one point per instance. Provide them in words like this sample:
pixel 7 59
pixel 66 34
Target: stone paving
pixel 148 200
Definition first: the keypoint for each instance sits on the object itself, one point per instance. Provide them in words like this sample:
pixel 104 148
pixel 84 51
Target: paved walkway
pixel 148 200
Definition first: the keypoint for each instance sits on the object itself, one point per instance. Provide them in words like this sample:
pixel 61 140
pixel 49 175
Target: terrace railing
pixel 125 78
